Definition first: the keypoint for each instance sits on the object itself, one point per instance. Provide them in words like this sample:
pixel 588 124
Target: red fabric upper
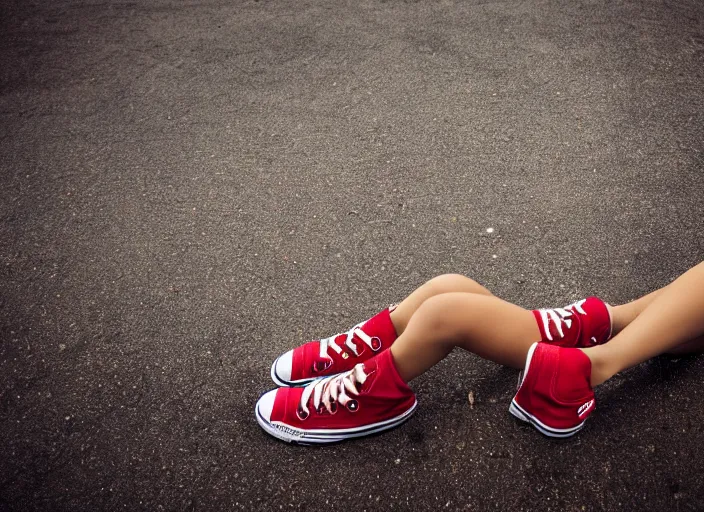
pixel 556 388
pixel 579 330
pixel 307 363
pixel 383 395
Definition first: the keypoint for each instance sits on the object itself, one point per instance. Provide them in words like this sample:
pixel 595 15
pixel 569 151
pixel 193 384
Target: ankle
pixel 612 314
pixel 398 320
pixel 601 369
pixel 621 316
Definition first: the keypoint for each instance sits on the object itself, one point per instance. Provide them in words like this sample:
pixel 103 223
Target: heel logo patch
pixel 585 409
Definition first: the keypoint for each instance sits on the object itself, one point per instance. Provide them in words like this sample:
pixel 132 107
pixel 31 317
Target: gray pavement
pixel 191 188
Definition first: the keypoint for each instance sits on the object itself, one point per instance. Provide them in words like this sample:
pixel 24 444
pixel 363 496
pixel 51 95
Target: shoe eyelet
pixel 302 415
pixel 352 406
pixel 376 344
pixel 333 407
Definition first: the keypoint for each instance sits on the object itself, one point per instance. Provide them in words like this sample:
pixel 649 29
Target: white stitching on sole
pixel 523 415
pixel 325 436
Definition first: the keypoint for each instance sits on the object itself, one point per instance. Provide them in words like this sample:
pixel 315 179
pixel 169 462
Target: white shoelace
pixel 329 343
pixel 560 316
pixel 336 388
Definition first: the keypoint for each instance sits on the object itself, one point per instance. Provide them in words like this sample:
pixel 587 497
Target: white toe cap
pixel 266 404
pixel 283 365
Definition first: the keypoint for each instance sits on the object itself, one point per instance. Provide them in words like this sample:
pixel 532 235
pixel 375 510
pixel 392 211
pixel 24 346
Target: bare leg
pixel 485 325
pixel 674 317
pixel 475 320
pixel 446 283
pixel 624 314
pixel 454 311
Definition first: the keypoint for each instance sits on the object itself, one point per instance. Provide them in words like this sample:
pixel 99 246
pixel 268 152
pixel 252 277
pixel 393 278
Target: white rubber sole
pixel 523 415
pixel 327 436
pixel 288 383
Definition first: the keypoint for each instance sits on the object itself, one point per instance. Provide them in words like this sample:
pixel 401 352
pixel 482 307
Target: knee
pixel 445 314
pixel 448 283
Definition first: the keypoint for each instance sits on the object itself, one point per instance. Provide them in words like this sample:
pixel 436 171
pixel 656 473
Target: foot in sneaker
pixel 337 354
pixel 368 399
pixel 583 324
pixel 555 395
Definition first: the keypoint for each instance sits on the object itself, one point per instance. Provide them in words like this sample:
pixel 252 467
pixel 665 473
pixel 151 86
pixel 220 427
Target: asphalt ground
pixel 191 188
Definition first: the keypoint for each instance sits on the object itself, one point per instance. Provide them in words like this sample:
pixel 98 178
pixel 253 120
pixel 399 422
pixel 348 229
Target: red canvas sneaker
pixel 555 395
pixel 368 399
pixel 583 324
pixel 336 354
